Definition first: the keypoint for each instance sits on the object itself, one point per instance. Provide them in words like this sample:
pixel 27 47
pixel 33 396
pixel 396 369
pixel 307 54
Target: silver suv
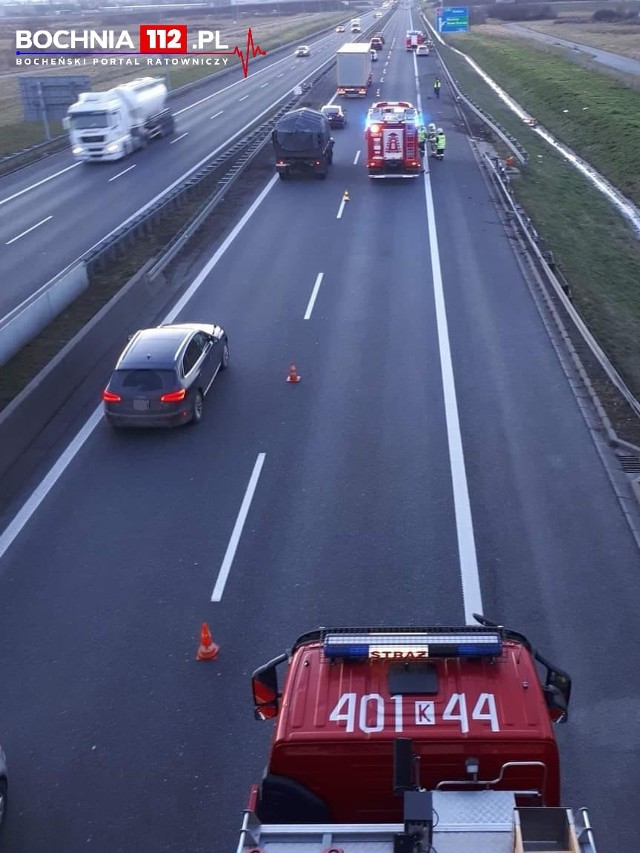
pixel 164 374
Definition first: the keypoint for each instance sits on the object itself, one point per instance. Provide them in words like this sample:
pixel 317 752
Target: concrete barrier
pixel 134 306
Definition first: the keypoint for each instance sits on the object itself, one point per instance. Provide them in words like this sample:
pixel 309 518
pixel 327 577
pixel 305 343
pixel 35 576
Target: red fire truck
pixel 391 136
pixel 409 740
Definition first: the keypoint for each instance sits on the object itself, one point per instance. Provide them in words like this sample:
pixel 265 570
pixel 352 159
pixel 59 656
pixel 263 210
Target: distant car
pixel 356 30
pixel 375 44
pixel 422 50
pixel 164 374
pixel 303 50
pixel 340 29
pixel 378 14
pixel 374 55
pixel 335 114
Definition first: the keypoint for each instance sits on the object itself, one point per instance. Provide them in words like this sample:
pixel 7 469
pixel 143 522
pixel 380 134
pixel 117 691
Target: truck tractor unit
pixel 391 139
pixel 303 144
pixel 412 740
pixel 110 125
pixel 353 70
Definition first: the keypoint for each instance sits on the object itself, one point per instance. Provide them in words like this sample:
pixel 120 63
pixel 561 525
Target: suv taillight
pixel 110 397
pixel 174 396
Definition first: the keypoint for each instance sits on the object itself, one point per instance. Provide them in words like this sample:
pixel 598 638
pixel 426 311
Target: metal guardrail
pixel 510 141
pixel 52 145
pixel 501 180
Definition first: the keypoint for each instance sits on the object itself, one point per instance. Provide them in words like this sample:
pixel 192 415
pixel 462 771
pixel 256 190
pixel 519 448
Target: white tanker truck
pixel 110 125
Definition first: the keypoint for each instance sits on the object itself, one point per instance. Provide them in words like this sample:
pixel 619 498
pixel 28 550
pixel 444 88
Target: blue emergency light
pixel 419 645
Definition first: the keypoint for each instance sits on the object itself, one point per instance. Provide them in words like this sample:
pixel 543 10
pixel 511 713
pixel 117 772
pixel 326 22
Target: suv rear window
pixel 144 379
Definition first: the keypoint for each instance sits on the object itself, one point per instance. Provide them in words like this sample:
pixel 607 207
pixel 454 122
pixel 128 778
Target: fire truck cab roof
pixel 392 111
pixel 458 693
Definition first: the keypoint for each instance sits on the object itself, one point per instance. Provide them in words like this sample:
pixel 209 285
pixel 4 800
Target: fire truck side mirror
pixel 264 682
pixel 557 692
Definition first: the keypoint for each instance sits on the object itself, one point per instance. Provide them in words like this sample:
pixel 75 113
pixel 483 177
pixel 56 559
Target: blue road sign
pixel 454 20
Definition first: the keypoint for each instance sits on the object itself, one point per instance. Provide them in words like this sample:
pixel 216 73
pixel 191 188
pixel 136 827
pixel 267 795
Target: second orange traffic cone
pixel 207 650
pixel 293 376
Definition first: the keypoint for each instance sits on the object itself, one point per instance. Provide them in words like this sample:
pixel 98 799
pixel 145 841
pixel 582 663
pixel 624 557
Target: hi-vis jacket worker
pixel 436 87
pixel 441 142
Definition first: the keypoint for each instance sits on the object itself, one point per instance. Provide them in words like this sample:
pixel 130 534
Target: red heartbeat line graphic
pixel 252 50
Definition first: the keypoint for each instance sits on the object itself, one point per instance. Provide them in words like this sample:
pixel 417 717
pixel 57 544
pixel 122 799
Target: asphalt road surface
pixel 117 739
pixel 605 57
pixel 57 209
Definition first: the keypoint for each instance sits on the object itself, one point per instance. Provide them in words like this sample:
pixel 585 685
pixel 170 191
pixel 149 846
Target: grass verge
pixel 594 115
pixel 593 245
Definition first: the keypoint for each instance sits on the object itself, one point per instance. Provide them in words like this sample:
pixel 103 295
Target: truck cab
pixel 470 699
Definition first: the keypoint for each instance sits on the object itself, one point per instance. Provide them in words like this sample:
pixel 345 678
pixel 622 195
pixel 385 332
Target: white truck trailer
pixel 110 125
pixel 354 69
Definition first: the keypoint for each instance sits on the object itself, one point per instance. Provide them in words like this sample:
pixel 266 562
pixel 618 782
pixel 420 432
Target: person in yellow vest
pixel 441 142
pixel 431 137
pixel 422 138
pixel 436 87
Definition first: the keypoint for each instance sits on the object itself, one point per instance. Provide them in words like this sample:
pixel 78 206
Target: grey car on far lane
pixel 163 375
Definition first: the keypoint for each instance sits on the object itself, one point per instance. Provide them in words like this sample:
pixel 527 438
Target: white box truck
pixel 110 125
pixel 354 69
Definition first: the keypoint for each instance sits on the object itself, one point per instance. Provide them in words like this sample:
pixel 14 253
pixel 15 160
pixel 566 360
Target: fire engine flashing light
pixel 374 128
pixel 458 644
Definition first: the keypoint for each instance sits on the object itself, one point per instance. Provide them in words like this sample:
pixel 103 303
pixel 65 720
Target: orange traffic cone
pixel 207 650
pixel 293 374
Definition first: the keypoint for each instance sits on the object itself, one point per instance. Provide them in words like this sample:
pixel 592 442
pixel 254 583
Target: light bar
pixel 422 645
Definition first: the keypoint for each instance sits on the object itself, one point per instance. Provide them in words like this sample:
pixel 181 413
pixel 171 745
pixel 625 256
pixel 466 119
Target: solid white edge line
pixel 357 157
pixel 38 184
pixel 314 293
pixel 47 483
pixel 232 547
pixel 471 593
pixel 120 174
pixel 41 491
pixel 29 230
pixel 340 209
pixel 178 138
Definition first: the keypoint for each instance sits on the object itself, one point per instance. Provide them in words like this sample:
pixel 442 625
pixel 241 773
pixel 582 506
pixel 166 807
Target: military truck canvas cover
pixel 300 132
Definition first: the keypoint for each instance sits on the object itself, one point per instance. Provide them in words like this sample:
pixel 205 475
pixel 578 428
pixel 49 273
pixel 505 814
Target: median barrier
pixel 34 314
pixel 35 407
